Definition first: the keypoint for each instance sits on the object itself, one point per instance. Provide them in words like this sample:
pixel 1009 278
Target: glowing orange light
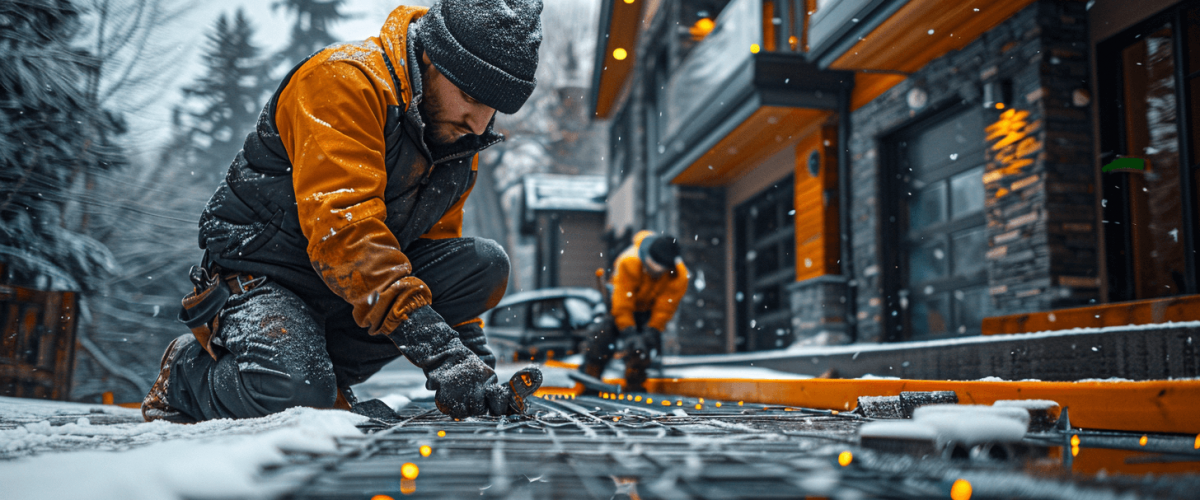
pixel 701 29
pixel 1075 440
pixel 718 404
pixel 793 42
pixel 628 1
pixel 651 401
pixel 754 48
pixel 698 406
pixel 441 434
pixel 620 54
pixel 835 412
pixel 1143 440
pixel 382 497
pixel 960 490
pixel 679 403
pixel 999 105
pixel 615 419
pixel 408 486
pixel 844 458
pixel 666 403
pixel 701 400
pixel 739 403
pixel 426 450
pixel 1074 451
pixel 1197 445
pixel 638 399
pixel 409 470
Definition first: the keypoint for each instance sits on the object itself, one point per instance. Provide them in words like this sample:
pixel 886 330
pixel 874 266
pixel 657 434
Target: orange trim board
pixel 1171 406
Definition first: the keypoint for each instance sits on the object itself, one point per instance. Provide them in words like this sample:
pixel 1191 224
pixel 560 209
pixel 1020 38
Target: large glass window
pixel 765 229
pixel 940 274
pixel 1148 82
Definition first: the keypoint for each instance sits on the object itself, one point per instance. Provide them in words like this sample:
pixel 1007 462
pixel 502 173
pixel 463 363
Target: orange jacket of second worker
pixel 635 290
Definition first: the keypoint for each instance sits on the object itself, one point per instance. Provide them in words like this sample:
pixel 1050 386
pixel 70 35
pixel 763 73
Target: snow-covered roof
pixel 584 193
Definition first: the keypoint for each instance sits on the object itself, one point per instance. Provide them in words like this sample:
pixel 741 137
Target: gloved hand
pixel 461 380
pixel 471 335
pixel 629 332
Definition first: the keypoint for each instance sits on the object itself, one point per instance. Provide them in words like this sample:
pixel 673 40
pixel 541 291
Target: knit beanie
pixel 487 48
pixel 663 250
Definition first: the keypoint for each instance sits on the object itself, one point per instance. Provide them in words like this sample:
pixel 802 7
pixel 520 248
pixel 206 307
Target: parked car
pixel 542 324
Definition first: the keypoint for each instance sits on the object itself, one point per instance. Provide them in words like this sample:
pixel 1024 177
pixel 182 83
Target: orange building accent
pixel 1141 312
pixel 622 34
pixel 817 241
pixel 766 132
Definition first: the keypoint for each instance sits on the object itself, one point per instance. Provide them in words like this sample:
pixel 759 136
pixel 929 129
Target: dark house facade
pixel 886 170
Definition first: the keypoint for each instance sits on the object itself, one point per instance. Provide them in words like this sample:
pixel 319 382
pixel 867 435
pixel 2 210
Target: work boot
pixel 155 406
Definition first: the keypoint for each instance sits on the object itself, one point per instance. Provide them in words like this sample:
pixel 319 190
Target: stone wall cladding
pixel 1043 248
pixel 819 311
pixel 698 220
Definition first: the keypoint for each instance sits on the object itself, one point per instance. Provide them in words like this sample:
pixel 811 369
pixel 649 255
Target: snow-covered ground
pixel 159 460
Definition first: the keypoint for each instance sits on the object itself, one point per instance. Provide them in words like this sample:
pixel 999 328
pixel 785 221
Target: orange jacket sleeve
pixel 667 302
pixel 626 277
pixel 330 118
pixel 450 225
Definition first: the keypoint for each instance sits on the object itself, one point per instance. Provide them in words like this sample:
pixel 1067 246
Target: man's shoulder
pixel 361 61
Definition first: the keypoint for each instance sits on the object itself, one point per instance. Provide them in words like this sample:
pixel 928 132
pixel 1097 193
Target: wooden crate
pixel 37 342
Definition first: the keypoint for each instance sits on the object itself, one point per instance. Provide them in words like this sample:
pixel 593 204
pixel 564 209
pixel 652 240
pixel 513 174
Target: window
pixel 765 230
pixel 938 278
pixel 1149 78
pixel 549 314
pixel 509 316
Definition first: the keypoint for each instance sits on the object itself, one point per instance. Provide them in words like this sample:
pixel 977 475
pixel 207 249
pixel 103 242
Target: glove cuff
pixel 426 339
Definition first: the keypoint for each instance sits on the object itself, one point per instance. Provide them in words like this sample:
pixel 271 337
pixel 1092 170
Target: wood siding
pixel 817 249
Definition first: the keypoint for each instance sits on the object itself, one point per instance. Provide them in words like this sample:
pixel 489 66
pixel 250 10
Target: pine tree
pixel 223 105
pixel 51 133
pixel 310 32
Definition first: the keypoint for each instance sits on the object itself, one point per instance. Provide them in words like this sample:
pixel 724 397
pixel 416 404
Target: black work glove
pixel 461 380
pixel 471 335
pixel 629 332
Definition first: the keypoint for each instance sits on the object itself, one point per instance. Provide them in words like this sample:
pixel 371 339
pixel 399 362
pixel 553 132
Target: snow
pixel 899 429
pixel 1028 404
pixel 157 460
pixel 917 346
pixel 970 425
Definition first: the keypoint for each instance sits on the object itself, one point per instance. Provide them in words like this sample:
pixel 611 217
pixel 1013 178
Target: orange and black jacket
pixel 336 181
pixel 635 290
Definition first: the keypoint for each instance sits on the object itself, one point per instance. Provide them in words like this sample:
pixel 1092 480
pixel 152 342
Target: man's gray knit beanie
pixel 488 48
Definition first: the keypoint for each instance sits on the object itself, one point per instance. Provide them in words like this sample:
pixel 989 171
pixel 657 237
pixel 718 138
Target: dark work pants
pixel 601 343
pixel 281 348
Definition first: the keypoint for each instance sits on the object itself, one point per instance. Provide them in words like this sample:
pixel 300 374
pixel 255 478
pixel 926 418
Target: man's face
pixel 654 268
pixel 450 112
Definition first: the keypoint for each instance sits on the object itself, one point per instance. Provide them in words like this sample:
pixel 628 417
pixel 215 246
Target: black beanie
pixel 663 250
pixel 487 48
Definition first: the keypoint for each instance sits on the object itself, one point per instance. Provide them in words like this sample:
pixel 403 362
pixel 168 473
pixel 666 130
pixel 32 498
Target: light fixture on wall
pixel 998 94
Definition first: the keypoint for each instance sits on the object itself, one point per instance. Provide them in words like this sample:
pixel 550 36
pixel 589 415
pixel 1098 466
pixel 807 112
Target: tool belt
pixel 211 290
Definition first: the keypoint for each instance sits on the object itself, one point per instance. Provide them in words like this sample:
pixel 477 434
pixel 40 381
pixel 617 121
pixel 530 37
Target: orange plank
pixel 1171 406
pixel 1142 312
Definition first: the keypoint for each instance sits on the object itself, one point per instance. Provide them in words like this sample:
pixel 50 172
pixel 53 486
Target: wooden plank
pixel 1142 312
pixel 1170 406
